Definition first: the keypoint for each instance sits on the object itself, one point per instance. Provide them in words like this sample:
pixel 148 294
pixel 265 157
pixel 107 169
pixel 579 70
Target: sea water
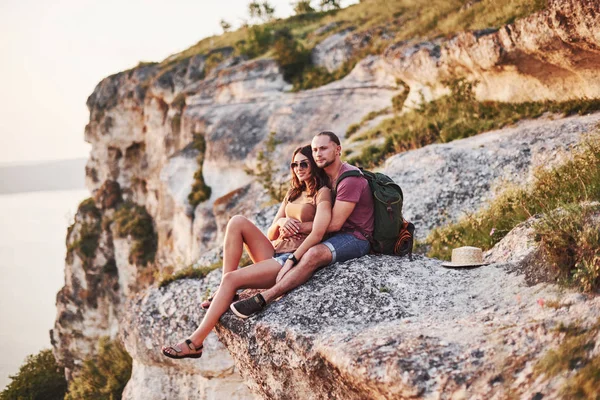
pixel 32 258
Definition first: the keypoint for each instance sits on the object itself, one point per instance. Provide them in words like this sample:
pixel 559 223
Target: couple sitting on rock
pixel 292 250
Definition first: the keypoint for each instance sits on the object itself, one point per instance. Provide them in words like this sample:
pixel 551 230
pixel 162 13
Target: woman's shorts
pixel 345 246
pixel 281 258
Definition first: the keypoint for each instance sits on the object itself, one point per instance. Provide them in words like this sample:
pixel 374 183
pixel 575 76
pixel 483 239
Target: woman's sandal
pixel 206 303
pixel 197 351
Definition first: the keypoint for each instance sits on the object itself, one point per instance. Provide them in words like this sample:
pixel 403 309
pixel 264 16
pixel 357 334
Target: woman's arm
pixel 319 227
pixel 273 232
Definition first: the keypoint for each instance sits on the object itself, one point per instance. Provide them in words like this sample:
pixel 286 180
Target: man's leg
pixel 317 256
pixel 314 258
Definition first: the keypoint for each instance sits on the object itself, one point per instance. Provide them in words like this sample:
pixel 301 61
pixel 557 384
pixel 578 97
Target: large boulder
pixel 382 327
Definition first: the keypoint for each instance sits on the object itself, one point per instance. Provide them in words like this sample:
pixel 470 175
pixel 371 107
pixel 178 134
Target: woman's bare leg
pixel 240 231
pixel 256 276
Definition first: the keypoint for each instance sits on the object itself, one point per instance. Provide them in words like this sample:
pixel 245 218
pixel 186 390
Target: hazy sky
pixel 54 53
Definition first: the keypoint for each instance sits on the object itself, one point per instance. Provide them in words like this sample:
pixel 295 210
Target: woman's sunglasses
pixel 301 164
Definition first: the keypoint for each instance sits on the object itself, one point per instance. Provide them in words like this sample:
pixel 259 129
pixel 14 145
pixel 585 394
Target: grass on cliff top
pixel 570 240
pixel 574 354
pixel 454 116
pixel 388 21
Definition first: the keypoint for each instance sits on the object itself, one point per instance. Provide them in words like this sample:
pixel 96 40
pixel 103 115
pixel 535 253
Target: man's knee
pixel 317 256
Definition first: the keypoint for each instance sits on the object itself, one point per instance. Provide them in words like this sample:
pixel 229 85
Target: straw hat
pixel 466 257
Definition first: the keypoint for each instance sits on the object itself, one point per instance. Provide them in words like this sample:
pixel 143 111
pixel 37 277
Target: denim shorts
pixel 281 258
pixel 345 246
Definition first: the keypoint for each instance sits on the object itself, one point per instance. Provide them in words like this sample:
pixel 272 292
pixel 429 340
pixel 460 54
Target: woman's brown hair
pixel 317 179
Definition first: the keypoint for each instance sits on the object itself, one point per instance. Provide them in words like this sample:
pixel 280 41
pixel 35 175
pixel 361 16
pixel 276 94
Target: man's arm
pixel 340 213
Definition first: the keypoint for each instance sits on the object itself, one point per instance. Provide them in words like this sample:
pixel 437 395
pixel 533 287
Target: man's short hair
pixel 332 136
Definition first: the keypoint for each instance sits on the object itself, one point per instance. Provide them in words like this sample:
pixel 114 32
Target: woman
pixel 308 199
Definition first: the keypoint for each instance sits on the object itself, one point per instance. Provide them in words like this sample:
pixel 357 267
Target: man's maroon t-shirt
pixel 355 189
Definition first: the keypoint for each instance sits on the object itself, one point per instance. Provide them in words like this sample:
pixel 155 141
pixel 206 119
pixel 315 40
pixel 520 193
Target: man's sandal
pixel 206 303
pixel 174 351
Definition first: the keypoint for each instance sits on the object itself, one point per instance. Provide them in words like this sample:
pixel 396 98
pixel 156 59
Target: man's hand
pixel 289 264
pixel 288 226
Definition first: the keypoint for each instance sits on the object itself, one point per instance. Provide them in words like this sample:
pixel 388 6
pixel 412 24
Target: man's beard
pixel 326 164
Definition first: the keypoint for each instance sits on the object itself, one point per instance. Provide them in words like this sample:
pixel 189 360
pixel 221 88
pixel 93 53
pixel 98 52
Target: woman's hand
pixel 289 264
pixel 288 226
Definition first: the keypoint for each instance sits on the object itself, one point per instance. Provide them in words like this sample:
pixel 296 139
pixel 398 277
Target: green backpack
pixel 392 234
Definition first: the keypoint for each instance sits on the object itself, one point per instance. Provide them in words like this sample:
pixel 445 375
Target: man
pixel 352 218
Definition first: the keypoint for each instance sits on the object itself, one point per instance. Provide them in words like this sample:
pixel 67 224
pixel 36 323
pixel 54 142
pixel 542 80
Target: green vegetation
pixel 132 220
pixel 266 172
pixel 190 273
pixel 574 353
pixel 455 116
pixel 39 378
pixel 303 7
pixel 569 238
pixel 198 273
pixel 383 21
pixel 86 244
pixel 290 55
pixel 212 61
pixel 104 376
pixel 352 129
pixel 200 190
pixel 178 102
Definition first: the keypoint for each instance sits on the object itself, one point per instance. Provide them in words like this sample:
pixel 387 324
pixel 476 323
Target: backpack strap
pixel 345 175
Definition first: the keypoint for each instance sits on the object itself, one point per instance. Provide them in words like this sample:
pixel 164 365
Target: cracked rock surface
pixel 382 327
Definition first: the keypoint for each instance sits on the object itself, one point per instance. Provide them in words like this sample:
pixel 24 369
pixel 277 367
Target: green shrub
pixel 178 102
pixel 574 355
pixel 258 41
pixel 133 220
pixel 200 190
pixel 352 129
pixel 290 55
pixel 572 250
pixel 571 241
pixel 39 378
pixel 89 233
pixel 398 100
pixel 266 172
pixel 212 61
pixel 303 7
pixel 103 376
pixel 88 206
pixel 176 123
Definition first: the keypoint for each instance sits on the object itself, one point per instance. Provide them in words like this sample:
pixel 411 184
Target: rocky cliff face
pixel 144 126
pixel 383 327
pixel 551 55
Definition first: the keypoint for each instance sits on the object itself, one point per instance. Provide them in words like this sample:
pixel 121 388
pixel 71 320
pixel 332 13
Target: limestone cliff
pixel 144 129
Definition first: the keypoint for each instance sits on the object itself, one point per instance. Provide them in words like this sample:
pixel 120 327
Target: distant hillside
pixel 51 175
